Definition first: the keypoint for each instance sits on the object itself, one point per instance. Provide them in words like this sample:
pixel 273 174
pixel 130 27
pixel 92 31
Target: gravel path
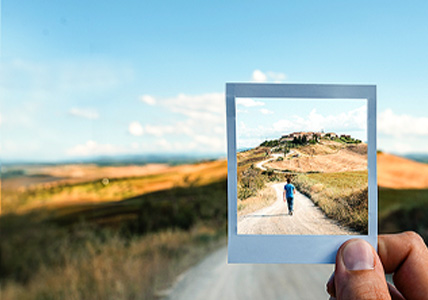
pixel 214 279
pixel 307 219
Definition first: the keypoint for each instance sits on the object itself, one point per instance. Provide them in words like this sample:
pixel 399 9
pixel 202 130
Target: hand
pixel 359 272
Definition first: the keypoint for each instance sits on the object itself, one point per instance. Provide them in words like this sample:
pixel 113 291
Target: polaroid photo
pixel 301 170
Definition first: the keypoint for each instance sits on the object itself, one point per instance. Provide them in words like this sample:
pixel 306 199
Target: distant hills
pixel 130 159
pixel 423 158
pixel 401 173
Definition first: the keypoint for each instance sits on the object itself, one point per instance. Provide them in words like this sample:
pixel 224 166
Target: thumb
pixel 359 272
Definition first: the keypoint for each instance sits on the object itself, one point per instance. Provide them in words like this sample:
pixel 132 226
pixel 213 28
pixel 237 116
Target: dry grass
pixel 129 246
pixel 116 268
pixel 57 194
pixel 323 148
pixel 342 196
pixel 341 161
pixel 264 198
pixel 250 157
pixel 400 173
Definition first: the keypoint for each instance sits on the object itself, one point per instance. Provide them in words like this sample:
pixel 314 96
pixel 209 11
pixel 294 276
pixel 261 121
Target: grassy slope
pixel 401 210
pixel 253 188
pixel 125 249
pixel 400 173
pixel 54 196
pixel 112 257
pixel 342 196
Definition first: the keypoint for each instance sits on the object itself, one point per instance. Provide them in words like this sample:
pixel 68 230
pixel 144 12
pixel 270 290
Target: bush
pixel 271 143
pixel 249 182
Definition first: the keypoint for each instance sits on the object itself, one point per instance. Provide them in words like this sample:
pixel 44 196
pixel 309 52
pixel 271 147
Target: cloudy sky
pixel 265 119
pixel 84 78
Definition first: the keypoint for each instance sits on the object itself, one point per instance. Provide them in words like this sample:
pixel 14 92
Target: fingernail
pixel 358 255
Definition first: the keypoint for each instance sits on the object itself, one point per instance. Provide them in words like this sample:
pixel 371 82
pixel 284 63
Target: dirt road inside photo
pixel 307 219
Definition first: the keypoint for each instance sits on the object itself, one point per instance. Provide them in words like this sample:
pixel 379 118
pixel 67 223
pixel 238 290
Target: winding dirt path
pixel 307 219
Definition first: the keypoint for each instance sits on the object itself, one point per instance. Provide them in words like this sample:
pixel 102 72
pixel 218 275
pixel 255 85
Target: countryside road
pixel 214 279
pixel 261 166
pixel 307 219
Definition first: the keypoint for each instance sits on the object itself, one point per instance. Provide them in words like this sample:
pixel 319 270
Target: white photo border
pixel 295 248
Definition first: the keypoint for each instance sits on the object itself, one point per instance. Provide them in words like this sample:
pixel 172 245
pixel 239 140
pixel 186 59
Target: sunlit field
pixel 129 238
pixel 125 238
pixel 342 196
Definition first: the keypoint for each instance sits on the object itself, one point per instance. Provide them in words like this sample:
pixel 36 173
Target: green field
pixel 401 210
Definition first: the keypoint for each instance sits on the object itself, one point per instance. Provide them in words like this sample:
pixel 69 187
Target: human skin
pixel 360 271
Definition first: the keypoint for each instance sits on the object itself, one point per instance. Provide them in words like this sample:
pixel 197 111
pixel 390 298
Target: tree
pixel 304 140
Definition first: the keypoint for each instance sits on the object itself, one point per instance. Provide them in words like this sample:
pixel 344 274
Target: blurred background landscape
pixel 113 139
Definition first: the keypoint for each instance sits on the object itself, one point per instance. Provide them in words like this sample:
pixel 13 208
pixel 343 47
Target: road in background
pixel 214 279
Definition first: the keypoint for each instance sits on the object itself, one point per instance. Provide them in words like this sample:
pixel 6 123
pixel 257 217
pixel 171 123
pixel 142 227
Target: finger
pixel 395 294
pixel 331 289
pixel 406 255
pixel 359 273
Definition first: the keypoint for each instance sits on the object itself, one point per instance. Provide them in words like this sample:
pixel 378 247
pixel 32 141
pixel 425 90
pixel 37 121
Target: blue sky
pixel 266 119
pixel 84 78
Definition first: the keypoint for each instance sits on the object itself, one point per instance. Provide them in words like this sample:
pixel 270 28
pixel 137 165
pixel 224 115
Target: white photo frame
pixel 295 248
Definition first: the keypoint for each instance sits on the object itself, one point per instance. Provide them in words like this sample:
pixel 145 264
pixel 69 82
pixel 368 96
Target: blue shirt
pixel 289 188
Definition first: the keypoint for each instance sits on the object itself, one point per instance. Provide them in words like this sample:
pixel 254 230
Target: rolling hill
pixel 401 173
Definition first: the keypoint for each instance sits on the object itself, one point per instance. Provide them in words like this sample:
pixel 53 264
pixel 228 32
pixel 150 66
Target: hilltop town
pixel 312 135
pixel 302 138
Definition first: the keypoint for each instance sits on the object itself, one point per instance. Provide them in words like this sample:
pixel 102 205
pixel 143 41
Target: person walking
pixel 289 191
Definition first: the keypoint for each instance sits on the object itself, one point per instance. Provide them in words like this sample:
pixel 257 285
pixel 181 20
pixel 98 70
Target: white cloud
pixel 392 124
pixel 259 76
pixel 135 128
pixel 164 144
pixel 160 130
pixel 198 106
pixel 91 148
pixel 266 111
pixel 150 100
pixel 347 121
pixel 248 102
pixel 191 123
pixel 210 143
pixel 276 77
pixel 201 113
pixel 84 113
pixel 351 122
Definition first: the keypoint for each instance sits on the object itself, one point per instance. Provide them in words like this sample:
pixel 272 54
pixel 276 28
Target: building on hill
pixel 309 135
pixel 285 138
pixel 331 135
